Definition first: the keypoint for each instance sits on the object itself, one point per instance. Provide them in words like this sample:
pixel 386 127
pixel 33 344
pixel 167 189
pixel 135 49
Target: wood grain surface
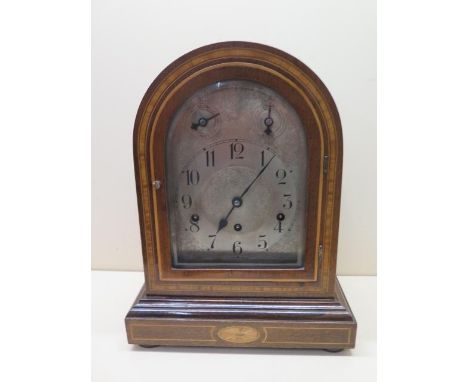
pixel 307 94
pixel 283 308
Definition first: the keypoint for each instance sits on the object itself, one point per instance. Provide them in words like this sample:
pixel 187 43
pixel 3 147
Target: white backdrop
pixel 132 41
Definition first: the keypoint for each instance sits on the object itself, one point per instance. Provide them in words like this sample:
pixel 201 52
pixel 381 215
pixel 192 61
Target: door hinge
pixel 325 164
pixel 320 252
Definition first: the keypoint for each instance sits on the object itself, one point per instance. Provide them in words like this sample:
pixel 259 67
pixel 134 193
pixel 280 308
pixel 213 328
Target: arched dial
pixel 236 169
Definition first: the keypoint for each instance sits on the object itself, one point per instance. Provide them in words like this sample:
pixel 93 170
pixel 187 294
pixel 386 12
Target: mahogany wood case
pixel 288 308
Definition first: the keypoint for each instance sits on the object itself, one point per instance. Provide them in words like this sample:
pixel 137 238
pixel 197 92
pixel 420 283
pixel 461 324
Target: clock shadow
pixel 240 351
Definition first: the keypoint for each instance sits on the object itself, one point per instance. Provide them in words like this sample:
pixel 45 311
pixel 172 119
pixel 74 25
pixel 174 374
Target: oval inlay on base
pixel 239 334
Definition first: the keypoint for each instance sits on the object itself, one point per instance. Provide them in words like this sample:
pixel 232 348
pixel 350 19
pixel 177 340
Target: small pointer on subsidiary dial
pixel 202 121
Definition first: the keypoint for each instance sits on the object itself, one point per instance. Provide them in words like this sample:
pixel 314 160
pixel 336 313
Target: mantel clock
pixel 238 160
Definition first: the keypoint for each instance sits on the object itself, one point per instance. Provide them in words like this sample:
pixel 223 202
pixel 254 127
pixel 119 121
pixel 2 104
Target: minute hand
pixel 258 175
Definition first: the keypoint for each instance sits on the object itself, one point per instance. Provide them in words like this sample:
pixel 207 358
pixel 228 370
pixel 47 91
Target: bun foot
pixel 333 350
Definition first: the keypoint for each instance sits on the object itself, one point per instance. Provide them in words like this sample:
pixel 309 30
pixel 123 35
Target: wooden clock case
pixel 271 308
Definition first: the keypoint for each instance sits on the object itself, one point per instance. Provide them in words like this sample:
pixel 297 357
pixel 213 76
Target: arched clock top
pixel 238 158
pixel 272 73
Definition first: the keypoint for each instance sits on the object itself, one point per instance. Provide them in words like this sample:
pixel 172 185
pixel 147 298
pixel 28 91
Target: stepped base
pixel 318 323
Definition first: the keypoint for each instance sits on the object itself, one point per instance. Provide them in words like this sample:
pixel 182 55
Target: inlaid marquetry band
pixel 240 334
pixel 321 106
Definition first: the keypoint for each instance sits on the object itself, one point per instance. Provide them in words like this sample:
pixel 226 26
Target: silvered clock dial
pixel 236 169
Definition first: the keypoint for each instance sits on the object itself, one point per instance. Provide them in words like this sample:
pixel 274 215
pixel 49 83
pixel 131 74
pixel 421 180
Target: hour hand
pixel 202 121
pixel 236 203
pixel 222 223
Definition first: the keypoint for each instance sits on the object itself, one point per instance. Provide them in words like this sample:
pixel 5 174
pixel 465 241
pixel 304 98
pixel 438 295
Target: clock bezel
pixel 307 94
